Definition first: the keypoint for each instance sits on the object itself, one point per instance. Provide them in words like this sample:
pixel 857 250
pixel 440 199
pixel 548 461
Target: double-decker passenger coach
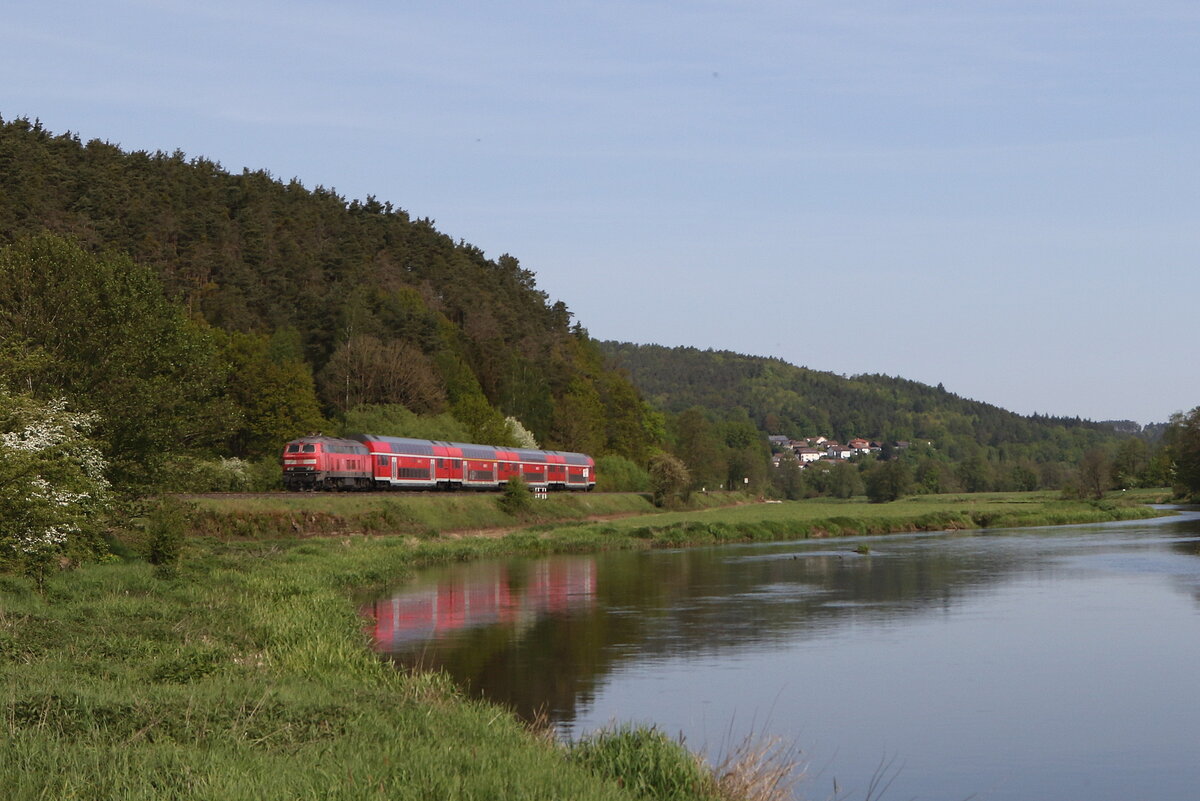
pixel 366 461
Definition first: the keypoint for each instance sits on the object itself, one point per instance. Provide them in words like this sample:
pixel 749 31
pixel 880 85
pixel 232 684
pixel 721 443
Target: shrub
pixel 53 490
pixel 192 474
pixel 669 479
pixel 165 526
pixel 615 473
pixel 516 498
pixel 646 762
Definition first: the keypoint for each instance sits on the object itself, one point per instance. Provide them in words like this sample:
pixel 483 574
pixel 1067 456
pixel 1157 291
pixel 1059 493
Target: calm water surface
pixel 1023 664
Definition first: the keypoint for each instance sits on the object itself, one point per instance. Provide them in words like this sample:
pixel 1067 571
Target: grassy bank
pixel 426 515
pixel 245 673
pixel 826 517
pixel 246 676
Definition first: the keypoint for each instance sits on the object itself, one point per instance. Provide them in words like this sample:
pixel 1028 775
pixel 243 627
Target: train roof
pixel 468 449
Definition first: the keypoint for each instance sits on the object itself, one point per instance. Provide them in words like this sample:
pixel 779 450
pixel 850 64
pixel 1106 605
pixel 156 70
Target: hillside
pixel 785 399
pixel 378 307
pixel 1014 451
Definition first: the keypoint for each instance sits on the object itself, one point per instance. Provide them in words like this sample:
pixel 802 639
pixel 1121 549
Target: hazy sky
pixel 999 195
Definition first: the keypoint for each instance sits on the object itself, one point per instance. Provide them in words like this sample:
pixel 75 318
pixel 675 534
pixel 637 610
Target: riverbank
pixel 245 673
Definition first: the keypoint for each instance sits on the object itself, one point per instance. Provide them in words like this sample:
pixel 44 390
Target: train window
pixel 383 461
pixel 293 448
pixel 310 448
pixel 413 472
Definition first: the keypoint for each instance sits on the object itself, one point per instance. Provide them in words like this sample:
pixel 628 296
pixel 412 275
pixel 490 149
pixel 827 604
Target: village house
pixel 835 451
pixel 806 455
pixel 818 448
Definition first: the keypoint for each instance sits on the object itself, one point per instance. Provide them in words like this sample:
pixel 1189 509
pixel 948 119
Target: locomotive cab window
pixel 293 448
pixel 310 448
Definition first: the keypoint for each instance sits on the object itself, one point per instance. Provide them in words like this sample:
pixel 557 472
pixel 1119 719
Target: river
pixel 1008 665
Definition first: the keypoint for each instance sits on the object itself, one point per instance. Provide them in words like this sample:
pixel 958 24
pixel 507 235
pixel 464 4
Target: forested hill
pixel 781 398
pixel 382 308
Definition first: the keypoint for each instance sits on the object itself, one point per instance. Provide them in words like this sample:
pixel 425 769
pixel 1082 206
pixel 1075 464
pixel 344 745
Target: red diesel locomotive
pixel 365 461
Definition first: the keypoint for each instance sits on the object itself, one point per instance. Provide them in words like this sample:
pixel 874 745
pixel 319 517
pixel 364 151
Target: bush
pixel 669 479
pixel 617 474
pixel 53 491
pixel 165 527
pixel 516 499
pixel 646 762
pixel 192 474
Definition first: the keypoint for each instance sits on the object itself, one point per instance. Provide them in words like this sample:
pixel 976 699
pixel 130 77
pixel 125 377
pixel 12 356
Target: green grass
pixel 246 673
pixel 825 517
pixel 418 514
pixel 646 761
pixel 247 676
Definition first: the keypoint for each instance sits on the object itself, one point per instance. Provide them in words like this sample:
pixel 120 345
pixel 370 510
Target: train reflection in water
pixel 469 597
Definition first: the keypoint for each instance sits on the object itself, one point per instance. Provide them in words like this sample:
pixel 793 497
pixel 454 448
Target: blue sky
pixel 999 195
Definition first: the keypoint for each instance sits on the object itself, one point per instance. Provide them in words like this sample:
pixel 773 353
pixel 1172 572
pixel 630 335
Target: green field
pixel 244 673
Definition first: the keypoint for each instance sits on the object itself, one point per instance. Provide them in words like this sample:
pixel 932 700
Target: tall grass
pixel 245 676
pixel 761 768
pixel 652 765
pixel 647 762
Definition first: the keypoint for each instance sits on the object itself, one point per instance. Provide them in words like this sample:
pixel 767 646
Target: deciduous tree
pixel 366 369
pixel 696 441
pixel 273 393
pixel 669 479
pixel 789 478
pixel 1095 473
pixel 106 338
pixel 1183 445
pixel 887 481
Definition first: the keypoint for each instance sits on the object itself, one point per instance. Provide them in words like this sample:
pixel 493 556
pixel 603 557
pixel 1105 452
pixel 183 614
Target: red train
pixel 364 461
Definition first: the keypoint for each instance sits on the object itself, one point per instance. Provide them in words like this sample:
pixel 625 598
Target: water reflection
pixel 481 595
pixel 540 635
pixel 502 629
pixel 1014 664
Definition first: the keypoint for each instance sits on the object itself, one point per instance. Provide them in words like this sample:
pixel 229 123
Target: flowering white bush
pixel 520 434
pixel 52 484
